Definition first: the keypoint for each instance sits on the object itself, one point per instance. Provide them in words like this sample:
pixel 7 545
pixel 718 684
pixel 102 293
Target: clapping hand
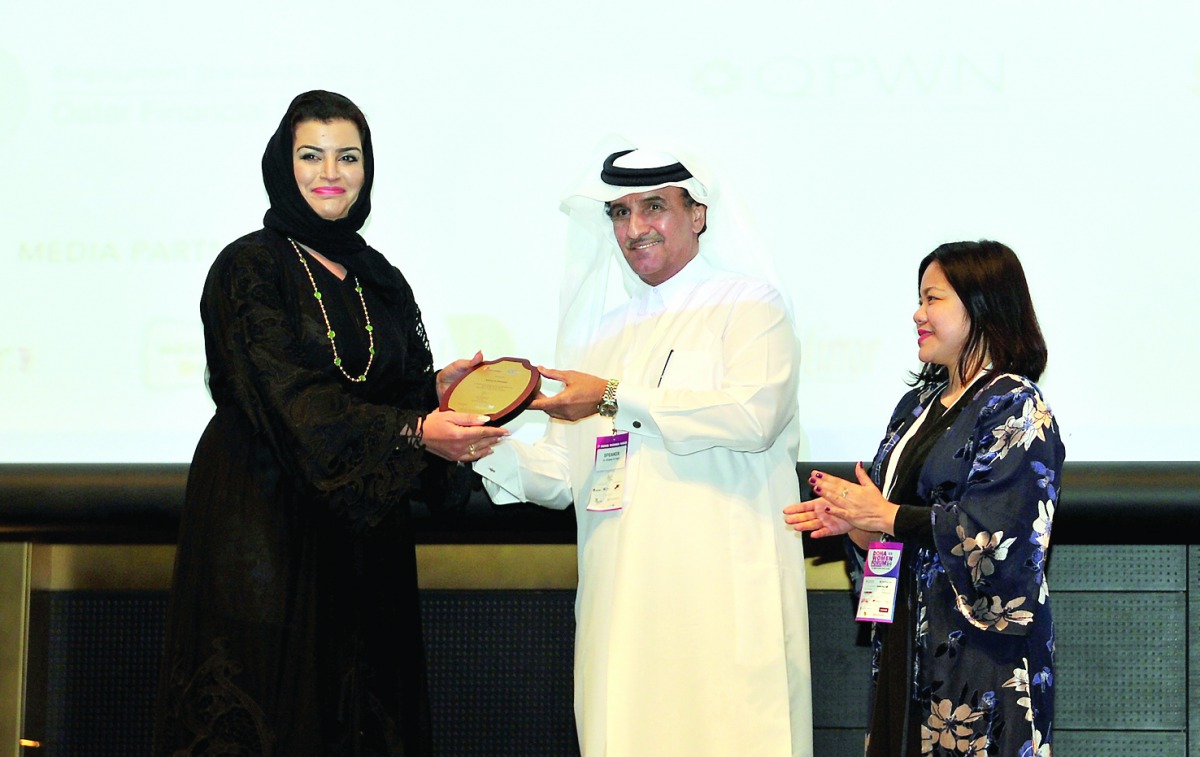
pixel 842 506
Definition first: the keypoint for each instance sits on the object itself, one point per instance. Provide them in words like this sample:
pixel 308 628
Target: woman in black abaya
pixel 294 625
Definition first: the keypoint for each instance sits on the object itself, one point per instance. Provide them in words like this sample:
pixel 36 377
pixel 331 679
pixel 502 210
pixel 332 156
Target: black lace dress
pixel 294 625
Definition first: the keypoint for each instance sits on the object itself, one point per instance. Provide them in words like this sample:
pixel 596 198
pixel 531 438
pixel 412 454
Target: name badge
pixel 608 473
pixel 881 579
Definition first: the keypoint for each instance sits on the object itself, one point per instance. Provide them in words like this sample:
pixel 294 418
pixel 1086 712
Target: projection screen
pixel 855 136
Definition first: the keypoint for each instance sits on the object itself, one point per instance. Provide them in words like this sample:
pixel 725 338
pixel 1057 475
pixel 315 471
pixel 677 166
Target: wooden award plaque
pixel 499 388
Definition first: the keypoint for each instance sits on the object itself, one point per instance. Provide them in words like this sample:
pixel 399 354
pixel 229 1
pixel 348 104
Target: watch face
pixel 608 403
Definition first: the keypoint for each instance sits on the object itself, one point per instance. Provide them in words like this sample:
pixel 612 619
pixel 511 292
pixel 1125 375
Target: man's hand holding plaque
pixel 579 398
pixel 499 389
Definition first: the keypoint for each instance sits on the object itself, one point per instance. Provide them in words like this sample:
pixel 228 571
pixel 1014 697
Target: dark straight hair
pixel 990 282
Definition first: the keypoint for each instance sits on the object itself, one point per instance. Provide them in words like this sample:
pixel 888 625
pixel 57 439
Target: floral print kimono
pixel 967 666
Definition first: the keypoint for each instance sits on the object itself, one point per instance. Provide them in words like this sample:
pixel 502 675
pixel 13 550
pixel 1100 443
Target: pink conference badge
pixel 881 579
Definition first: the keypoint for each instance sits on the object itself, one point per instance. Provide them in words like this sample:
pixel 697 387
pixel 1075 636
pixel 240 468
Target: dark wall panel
pixel 500 663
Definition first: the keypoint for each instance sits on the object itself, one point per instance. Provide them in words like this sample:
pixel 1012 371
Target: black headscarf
pixel 291 216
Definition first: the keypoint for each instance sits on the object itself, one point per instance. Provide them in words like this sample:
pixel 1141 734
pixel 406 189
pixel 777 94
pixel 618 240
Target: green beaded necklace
pixel 337 360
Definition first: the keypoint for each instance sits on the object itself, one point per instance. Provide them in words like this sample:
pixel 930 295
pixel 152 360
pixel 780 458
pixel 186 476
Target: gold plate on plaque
pixel 499 388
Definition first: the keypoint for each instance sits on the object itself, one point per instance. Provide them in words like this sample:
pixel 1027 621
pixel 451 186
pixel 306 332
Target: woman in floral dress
pixel 967 479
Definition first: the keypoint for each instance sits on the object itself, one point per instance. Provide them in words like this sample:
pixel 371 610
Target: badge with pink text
pixel 881 579
pixel 608 474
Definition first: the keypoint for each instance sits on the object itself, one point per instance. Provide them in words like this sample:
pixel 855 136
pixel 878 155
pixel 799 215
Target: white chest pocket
pixel 691 369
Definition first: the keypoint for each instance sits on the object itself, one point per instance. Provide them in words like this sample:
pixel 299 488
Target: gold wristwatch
pixel 608 403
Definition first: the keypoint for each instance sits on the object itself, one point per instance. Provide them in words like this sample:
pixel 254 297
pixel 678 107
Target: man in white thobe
pixel 675 437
